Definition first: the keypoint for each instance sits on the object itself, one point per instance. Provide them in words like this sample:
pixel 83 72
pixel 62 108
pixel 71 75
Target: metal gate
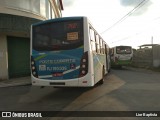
pixel 18 56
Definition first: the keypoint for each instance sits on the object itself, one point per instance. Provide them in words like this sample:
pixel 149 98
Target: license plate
pixel 58 74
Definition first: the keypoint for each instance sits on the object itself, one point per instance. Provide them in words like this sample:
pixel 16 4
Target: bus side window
pixel 100 45
pixel 92 39
pixel 103 47
pixel 92 36
pixel 97 44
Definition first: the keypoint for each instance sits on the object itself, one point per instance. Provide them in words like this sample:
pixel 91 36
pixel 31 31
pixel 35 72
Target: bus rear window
pixel 123 50
pixel 58 35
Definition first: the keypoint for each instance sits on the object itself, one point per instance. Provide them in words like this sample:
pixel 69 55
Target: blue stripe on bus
pixel 58 65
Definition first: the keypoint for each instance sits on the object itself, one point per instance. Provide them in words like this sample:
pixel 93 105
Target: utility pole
pixel 152 50
pixel 152 40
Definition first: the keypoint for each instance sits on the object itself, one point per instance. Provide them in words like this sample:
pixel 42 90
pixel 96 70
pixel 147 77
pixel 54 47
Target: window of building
pixel 43 7
pixel 49 10
pixel 53 14
pixel 35 6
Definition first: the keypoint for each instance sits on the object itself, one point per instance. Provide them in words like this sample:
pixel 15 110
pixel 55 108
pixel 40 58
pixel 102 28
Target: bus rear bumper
pixel 78 82
pixel 60 83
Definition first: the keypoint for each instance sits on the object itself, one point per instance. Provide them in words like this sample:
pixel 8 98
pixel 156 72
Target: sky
pixel 120 22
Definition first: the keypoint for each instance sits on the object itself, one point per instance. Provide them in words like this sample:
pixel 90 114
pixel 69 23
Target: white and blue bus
pixel 121 55
pixel 68 52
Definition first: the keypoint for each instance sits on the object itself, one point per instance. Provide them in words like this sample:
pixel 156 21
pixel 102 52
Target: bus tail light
pixel 33 68
pixel 84 65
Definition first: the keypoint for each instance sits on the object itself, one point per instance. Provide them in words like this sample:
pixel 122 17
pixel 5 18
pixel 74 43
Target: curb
pixel 23 81
pixel 3 85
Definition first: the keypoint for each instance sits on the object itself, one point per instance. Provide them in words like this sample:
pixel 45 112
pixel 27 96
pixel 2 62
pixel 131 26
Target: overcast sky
pixel 138 28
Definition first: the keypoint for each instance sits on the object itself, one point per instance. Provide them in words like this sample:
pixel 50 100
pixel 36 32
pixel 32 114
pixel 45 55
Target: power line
pixel 128 14
pixel 126 38
pixel 147 29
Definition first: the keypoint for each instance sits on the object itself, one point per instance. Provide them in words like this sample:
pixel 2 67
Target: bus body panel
pixel 123 59
pixel 58 65
pixel 87 80
pixel 42 82
pixel 96 61
pixel 99 62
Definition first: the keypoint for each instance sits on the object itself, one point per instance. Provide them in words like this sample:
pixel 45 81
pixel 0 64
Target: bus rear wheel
pixel 103 74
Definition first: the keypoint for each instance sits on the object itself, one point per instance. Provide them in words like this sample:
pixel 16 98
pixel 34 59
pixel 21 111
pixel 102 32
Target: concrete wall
pixel 147 57
pixel 143 58
pixel 11 25
pixel 38 9
pixel 3 57
pixel 156 56
pixel 16 17
pixel 16 24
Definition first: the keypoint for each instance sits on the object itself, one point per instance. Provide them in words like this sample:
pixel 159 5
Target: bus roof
pixel 59 19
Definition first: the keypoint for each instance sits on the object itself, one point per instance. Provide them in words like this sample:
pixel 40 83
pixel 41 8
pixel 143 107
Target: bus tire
pixel 109 69
pixel 103 74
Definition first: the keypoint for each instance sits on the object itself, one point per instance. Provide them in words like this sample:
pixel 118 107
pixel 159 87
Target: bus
pixel 68 51
pixel 121 55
